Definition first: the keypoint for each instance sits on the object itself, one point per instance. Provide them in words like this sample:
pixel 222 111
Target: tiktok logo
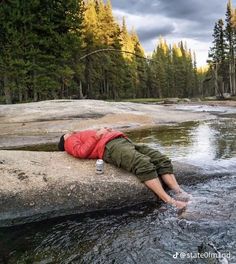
pixel 175 256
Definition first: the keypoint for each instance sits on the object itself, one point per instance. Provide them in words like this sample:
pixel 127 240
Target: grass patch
pixel 140 100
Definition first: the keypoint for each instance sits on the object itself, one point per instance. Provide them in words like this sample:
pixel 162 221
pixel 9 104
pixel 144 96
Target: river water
pixel 150 233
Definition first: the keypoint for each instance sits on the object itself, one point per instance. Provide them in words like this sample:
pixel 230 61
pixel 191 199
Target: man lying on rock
pixel 116 148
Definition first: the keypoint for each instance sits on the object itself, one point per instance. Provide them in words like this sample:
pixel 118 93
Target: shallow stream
pixel 149 233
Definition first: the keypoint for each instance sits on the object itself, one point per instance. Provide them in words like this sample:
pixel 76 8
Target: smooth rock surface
pixel 44 122
pixel 41 185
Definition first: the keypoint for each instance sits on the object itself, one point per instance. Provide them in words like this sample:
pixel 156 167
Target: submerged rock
pixel 209 253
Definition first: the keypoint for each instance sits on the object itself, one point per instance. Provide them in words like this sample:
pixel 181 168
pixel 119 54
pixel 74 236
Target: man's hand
pixel 67 135
pixel 101 132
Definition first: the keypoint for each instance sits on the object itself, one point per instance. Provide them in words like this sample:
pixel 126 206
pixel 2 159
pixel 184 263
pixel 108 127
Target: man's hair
pixel 61 143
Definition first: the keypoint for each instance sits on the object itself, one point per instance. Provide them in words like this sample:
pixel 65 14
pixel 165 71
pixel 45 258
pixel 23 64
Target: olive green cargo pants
pixel 146 163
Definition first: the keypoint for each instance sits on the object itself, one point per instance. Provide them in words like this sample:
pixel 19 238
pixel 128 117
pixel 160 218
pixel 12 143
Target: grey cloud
pixel 148 33
pixel 204 35
pixel 203 13
pixel 188 9
pixel 201 10
pixel 193 19
pixel 195 31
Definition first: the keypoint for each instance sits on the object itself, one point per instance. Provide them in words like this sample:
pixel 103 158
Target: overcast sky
pixel 188 20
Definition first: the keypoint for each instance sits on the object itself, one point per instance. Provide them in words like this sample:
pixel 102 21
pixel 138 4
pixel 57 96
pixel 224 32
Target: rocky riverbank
pixel 44 122
pixel 41 185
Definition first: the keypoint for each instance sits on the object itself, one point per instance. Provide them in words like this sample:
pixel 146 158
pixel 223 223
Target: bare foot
pixel 181 195
pixel 178 204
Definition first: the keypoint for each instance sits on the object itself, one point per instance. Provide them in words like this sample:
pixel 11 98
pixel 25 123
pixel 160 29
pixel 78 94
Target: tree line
pixel 44 47
pixel 221 77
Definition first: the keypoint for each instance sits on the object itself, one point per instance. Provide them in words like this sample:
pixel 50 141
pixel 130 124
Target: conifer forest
pixel 77 49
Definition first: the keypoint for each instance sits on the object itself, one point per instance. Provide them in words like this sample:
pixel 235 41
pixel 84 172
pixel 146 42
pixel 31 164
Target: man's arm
pixel 83 149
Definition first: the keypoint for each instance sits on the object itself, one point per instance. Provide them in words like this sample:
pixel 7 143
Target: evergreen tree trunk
pixel 108 89
pixel 104 85
pixel 20 95
pixel 233 75
pixel 215 71
pixel 223 87
pixel 35 91
pixel 7 90
pixel 88 90
pixel 81 96
pixel 26 94
pixel 34 84
pixel 230 78
pixel 62 90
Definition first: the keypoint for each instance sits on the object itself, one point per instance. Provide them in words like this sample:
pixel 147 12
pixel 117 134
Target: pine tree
pixel 90 43
pixel 160 59
pixel 140 67
pixel 179 71
pixel 42 43
pixel 197 88
pixel 110 35
pixel 126 41
pixel 230 32
pixel 35 59
pixel 127 45
pixel 173 70
pixel 218 53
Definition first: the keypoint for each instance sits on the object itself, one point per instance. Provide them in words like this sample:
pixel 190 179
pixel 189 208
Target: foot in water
pixel 178 204
pixel 181 195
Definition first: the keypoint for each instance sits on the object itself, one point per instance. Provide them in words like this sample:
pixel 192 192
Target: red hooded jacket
pixel 85 144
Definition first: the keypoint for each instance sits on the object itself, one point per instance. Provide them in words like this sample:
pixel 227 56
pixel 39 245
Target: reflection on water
pixel 210 144
pixel 147 234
